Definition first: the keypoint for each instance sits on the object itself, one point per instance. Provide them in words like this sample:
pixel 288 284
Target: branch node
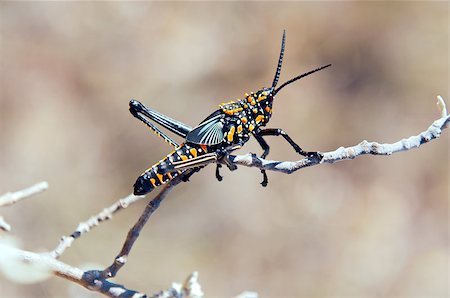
pixel 123 203
pixel 121 260
pixel 351 153
pixel 191 286
pixel 406 144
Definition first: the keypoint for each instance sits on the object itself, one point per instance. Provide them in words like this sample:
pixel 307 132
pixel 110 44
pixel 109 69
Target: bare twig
pixel 251 160
pixel 247 294
pixel 84 227
pixel 342 153
pixel 191 287
pixel 13 197
pixel 441 106
pixel 96 280
pixel 134 232
pixel 4 225
pixel 106 214
pixel 40 264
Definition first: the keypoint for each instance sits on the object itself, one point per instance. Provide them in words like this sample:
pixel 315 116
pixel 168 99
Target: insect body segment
pixel 225 130
pixel 165 170
pixel 241 118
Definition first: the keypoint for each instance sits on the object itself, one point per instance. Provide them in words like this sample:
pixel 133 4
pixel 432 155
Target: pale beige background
pixel 372 227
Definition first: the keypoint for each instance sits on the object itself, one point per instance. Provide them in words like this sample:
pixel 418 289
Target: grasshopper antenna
pixel 299 77
pixel 280 61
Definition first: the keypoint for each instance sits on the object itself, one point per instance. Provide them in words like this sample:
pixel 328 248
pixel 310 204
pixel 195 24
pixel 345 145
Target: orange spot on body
pixel 160 177
pixel 231 134
pixel 251 127
pixel 267 109
pixel 204 148
pixel 193 152
pixel 239 129
pixel 170 176
pixel 184 157
pixel 259 118
pixel 152 181
pixel 244 120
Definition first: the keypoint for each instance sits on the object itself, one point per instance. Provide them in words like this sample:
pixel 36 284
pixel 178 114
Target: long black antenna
pixel 299 77
pixel 280 61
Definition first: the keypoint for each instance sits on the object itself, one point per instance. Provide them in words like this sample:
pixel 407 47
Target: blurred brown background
pixel 374 226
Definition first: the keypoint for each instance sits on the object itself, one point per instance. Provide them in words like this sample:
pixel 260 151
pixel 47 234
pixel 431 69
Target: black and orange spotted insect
pixel 225 130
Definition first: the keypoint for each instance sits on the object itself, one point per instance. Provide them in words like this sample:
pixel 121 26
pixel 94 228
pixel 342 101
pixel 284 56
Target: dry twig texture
pixel 346 153
pixel 96 280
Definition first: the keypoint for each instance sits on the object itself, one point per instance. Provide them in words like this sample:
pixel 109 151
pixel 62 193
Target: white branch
pixel 13 197
pixel 26 267
pixel 84 227
pixel 247 294
pixel 4 225
pixel 342 153
pixel 190 288
pixel 251 160
pixel 441 106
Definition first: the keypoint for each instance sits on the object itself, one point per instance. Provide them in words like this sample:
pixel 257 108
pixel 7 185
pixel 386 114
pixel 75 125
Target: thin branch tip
pixel 441 106
pixel 13 197
pixel 347 153
pixel 4 226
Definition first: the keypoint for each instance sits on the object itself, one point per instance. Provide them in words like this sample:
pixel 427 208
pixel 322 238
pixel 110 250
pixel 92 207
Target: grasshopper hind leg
pixel 145 114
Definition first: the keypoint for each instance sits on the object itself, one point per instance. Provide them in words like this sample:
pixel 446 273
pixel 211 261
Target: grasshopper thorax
pixel 259 105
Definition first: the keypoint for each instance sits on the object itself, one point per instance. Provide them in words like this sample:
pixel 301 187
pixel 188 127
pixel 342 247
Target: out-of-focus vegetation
pixel 375 226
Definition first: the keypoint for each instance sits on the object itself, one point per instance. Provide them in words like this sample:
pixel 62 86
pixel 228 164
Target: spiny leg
pixel 230 165
pixel 224 156
pixel 280 132
pixel 218 176
pixel 187 174
pixel 168 123
pixel 136 113
pixel 266 149
pixel 201 161
pixel 194 165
